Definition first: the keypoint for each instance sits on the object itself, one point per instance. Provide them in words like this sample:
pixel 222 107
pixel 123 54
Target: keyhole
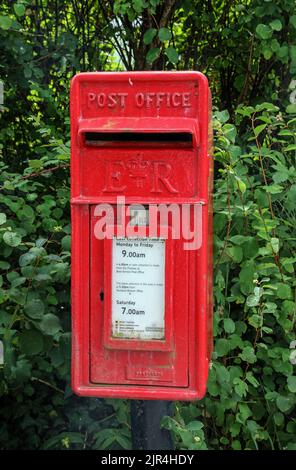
pixel 102 295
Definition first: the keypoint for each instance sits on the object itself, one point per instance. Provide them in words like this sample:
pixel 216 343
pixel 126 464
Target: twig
pixel 35 379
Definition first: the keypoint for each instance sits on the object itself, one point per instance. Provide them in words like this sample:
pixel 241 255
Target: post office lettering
pixel 140 99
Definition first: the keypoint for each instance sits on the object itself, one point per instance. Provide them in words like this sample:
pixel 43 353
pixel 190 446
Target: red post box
pixel 141 183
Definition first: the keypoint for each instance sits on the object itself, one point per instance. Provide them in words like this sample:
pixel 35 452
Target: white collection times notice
pixel 138 288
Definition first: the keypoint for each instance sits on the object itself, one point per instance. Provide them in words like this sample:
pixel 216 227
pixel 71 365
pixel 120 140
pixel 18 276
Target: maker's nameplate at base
pixel 138 288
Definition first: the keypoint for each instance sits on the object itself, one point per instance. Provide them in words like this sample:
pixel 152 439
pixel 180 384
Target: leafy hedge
pixel 251 398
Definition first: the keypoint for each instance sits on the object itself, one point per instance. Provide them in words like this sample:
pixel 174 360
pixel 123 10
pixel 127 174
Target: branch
pixel 167 11
pixel 117 46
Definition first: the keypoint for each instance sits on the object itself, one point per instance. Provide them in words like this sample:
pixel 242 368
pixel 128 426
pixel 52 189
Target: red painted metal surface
pixel 145 136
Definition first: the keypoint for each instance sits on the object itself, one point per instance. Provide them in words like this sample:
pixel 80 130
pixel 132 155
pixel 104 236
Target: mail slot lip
pixel 130 140
pixel 132 125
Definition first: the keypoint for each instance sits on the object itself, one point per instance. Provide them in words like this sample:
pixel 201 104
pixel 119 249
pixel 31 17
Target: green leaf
pixel 235 429
pixel 241 185
pixel 2 218
pixel 253 300
pixel 26 213
pixel 123 441
pixel 31 342
pixel 153 54
pixel 18 281
pixel 284 404
pixel 138 5
pixel 259 129
pixel 17 295
pixel 149 35
pixel 194 426
pixel 255 320
pixel 290 148
pixel 293 21
pixel 230 132
pixel 283 53
pixel 291 445
pixel 222 116
pixel 264 31
pixel 12 276
pixel 50 324
pixel 41 242
pixel 236 445
pixel 56 357
pixel 26 259
pixel 36 164
pixel 22 370
pixel 213 388
pixel 252 380
pixel 240 387
pixel 28 271
pixel 239 239
pixel 292 383
pixel 279 419
pixel 66 243
pixel 245 110
pixel 284 291
pixel 274 45
pixel 12 238
pixel 282 174
pixel 64 437
pixel 229 325
pixel 19 9
pixel 293 55
pixel 222 347
pixel 164 34
pixel 273 189
pixel 266 105
pixel 42 277
pixel 248 355
pixel 4 265
pixel 172 55
pixel 5 22
pixel 291 109
pixel 222 373
pixel 288 264
pixel 275 244
pixel 251 249
pixel 267 52
pixel 276 25
pixel 244 413
pixel 236 253
pixel 34 308
pixel 235 340
pixel 246 277
pixel 253 426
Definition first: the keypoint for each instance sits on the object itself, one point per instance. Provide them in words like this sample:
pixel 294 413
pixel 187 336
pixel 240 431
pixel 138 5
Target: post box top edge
pixel 154 76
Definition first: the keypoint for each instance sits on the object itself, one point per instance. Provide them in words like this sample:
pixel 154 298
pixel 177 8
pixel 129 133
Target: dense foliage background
pixel 248 51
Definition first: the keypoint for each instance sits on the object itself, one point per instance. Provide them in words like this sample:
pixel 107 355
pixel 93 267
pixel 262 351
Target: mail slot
pixel 141 208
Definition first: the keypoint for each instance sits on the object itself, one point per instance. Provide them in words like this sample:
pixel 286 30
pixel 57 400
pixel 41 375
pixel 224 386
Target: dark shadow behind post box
pixel 145 136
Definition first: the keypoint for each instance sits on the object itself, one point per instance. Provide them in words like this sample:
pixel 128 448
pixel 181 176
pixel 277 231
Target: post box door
pixel 124 359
